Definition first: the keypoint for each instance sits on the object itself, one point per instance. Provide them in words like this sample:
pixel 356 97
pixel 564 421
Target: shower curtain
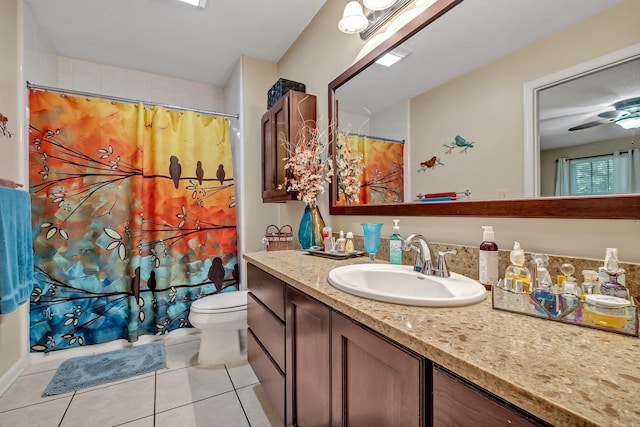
pixel 382 179
pixel 133 215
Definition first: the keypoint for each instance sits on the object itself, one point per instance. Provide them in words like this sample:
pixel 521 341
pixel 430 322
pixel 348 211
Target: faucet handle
pixel 442 270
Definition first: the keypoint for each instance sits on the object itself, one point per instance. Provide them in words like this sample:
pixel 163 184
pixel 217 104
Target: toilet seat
pixel 226 302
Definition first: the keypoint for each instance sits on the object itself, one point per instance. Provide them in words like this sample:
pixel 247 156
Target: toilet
pixel 222 320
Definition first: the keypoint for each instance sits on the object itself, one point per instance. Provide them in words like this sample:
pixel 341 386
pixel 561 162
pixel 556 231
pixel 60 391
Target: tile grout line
pixel 235 391
pixel 66 409
pixel 155 396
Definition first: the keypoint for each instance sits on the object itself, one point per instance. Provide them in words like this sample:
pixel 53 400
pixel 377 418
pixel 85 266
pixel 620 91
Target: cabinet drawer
pixel 267 328
pixel 271 379
pixel 268 289
pixel 457 403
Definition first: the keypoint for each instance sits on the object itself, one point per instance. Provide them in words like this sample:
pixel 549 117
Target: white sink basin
pixel 401 285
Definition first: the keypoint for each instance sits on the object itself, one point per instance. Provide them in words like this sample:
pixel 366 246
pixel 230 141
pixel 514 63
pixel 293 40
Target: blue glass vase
pixel 311 225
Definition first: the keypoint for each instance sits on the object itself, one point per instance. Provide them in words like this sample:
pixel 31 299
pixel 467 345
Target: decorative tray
pixel 335 255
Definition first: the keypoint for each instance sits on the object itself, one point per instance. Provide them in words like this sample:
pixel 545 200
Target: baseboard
pixel 11 375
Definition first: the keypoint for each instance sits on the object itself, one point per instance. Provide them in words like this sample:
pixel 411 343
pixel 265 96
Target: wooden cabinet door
pixel 308 361
pixel 374 381
pixel 281 125
pixel 459 404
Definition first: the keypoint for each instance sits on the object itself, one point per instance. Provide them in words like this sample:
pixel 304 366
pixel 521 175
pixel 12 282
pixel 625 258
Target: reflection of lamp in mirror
pixel 629 122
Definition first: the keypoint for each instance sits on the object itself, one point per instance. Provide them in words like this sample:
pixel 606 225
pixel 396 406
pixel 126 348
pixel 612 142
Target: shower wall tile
pixel 108 80
pixel 86 76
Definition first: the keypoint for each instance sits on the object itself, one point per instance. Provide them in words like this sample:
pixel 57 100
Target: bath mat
pixel 87 371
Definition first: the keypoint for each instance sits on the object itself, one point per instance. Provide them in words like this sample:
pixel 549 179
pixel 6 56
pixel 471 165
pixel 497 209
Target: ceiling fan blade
pixel 590 125
pixel 615 115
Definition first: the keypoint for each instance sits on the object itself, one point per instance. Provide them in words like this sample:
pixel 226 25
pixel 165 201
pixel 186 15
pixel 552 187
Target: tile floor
pixel 182 395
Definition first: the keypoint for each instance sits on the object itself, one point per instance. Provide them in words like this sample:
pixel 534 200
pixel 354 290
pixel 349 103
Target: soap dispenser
pixel 395 244
pixel 517 270
pixel 488 258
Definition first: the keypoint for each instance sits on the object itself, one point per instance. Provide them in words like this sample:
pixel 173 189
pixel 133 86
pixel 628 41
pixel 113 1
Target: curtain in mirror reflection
pixel 382 178
pixel 617 173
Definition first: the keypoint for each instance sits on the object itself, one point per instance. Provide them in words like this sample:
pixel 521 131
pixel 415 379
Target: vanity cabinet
pixel 456 402
pixel 375 382
pixel 283 122
pixel 308 360
pixel 266 334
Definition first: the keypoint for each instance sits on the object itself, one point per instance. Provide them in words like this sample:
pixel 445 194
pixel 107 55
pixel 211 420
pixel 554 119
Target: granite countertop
pixel 565 374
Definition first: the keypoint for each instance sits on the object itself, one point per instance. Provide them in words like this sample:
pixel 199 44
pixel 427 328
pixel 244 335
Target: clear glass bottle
pixel 517 270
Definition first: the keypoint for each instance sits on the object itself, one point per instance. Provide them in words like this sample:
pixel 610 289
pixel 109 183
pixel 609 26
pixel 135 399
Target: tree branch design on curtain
pixel 134 218
pixel 382 180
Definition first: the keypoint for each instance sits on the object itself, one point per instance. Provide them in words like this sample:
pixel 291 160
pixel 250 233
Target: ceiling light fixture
pixel 379 12
pixel 629 122
pixel 378 4
pixel 198 3
pixel 353 20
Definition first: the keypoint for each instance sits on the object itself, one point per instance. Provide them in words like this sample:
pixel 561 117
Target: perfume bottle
pixel 612 276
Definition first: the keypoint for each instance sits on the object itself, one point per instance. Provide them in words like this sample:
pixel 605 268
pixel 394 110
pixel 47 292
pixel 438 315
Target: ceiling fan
pixel 626 114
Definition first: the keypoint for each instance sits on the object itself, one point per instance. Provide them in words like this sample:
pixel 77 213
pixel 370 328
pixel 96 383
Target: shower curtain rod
pixel 128 100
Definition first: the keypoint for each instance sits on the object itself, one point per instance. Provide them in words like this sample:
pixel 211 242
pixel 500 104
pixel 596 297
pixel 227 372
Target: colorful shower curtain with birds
pixel 382 179
pixel 133 214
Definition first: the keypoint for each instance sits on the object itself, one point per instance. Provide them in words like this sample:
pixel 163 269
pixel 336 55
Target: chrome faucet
pixel 423 253
pixel 423 262
pixel 442 270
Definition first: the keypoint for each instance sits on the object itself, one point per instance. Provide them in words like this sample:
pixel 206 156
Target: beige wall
pixel 322 52
pixel 12 326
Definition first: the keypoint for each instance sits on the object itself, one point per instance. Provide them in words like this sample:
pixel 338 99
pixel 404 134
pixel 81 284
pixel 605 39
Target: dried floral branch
pixel 309 163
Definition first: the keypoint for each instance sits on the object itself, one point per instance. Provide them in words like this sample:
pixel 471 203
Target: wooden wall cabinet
pixel 283 122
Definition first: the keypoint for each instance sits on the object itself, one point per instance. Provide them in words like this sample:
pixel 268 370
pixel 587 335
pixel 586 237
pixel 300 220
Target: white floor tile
pixel 242 375
pixel 219 411
pixel 143 422
pixel 43 366
pixel 181 336
pixel 112 405
pixel 253 400
pixel 183 386
pixel 45 414
pixel 27 390
pixel 182 355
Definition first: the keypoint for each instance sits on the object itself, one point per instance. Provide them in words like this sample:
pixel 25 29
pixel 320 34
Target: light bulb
pixel 353 19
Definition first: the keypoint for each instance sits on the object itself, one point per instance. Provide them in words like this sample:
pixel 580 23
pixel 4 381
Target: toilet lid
pixel 223 301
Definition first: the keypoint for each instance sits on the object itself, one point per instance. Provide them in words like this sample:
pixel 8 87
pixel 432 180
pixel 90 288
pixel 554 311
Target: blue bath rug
pixel 87 371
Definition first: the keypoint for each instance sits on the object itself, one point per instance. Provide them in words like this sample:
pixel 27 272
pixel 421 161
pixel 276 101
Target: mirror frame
pixel 625 206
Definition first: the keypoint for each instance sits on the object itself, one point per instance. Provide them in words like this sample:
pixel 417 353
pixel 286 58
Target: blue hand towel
pixel 16 253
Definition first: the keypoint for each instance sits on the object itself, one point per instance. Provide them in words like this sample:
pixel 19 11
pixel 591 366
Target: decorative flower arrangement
pixel 349 166
pixel 309 163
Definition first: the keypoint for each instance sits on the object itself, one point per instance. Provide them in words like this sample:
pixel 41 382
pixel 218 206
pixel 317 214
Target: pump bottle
pixel 395 244
pixel 488 265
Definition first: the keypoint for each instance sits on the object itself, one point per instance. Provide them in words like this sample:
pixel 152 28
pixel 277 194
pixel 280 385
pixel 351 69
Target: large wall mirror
pixel 457 104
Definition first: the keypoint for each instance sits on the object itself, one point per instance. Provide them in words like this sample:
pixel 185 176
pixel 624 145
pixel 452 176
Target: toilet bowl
pixel 222 320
